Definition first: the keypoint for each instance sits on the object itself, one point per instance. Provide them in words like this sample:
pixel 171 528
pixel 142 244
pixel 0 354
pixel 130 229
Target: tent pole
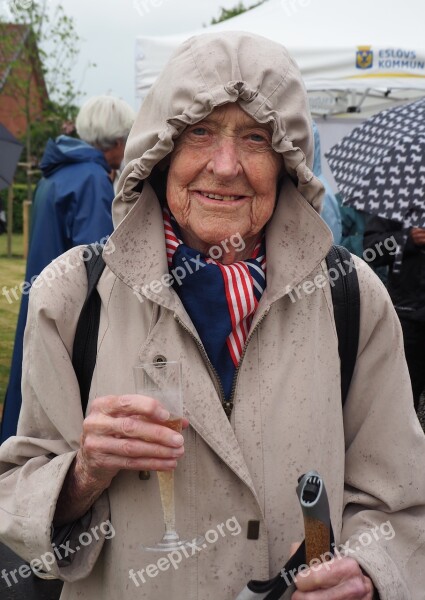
pixel 9 220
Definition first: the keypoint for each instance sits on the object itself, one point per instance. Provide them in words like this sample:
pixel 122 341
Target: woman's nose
pixel 225 162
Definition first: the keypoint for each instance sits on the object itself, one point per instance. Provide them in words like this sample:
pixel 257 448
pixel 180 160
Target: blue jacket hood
pixel 330 209
pixel 67 150
pixel 317 161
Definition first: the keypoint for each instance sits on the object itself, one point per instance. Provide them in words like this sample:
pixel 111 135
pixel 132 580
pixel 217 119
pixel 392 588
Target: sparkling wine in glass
pixel 163 381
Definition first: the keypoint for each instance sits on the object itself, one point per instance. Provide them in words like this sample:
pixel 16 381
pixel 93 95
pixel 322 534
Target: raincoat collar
pixel 297 240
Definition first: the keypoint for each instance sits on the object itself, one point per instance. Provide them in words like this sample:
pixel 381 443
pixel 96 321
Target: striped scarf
pixel 220 299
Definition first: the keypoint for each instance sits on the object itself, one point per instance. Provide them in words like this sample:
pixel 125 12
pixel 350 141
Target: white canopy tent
pixel 356 58
pixel 357 55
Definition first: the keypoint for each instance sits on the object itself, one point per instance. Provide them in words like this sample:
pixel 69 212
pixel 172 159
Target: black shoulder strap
pixel 346 302
pixel 84 350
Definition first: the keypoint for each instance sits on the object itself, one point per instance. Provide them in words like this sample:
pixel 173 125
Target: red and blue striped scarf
pixel 220 299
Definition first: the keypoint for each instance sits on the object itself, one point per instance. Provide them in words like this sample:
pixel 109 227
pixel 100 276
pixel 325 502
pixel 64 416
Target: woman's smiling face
pixel 222 179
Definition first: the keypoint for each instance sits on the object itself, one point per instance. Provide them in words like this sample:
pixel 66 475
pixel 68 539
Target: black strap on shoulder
pixel 346 302
pixel 84 351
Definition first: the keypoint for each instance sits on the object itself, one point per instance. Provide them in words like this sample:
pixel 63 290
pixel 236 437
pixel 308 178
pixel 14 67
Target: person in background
pixel 72 206
pixel 352 221
pixel 353 227
pixel 330 209
pixel 406 286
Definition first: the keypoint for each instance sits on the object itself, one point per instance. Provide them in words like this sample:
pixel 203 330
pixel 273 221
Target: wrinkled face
pixel 222 179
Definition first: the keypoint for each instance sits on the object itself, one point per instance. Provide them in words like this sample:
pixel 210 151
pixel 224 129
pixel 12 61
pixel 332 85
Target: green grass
pixel 12 272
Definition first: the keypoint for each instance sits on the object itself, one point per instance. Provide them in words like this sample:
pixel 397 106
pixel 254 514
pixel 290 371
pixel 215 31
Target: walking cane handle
pixel 315 506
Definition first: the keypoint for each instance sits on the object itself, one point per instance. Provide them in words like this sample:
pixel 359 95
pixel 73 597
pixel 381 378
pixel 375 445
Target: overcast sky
pixel 109 29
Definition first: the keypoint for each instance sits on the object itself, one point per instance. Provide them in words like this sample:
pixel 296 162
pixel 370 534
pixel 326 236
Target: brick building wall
pixel 19 63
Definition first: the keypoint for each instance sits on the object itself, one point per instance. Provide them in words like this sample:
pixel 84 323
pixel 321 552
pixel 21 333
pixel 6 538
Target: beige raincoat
pixel 287 416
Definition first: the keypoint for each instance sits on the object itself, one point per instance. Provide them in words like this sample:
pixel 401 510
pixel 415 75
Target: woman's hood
pixel 208 71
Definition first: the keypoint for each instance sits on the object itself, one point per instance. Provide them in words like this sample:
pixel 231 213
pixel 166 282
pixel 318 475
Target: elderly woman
pixel 217 180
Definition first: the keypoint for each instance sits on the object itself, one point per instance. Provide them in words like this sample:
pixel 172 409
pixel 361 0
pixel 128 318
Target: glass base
pixel 171 541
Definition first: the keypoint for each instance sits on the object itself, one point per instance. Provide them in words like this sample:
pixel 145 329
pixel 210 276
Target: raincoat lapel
pixel 297 240
pixel 212 424
pixel 135 252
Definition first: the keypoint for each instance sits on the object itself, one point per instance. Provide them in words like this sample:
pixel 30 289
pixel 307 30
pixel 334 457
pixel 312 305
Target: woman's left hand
pixel 338 579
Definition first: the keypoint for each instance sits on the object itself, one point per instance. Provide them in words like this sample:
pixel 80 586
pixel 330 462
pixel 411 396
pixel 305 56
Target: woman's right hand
pixel 127 432
pixel 119 432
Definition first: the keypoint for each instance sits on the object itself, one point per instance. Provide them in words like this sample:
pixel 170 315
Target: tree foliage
pixel 52 48
pixel 228 13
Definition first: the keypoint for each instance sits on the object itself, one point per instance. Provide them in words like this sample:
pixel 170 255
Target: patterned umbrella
pixel 10 151
pixel 380 166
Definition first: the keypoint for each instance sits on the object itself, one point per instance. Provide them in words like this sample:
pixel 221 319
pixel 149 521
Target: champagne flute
pixel 162 380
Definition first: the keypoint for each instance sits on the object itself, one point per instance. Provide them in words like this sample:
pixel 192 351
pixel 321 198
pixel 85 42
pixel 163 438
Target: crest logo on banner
pixel 364 57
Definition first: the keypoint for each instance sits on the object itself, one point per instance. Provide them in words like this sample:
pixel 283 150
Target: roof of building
pixel 16 38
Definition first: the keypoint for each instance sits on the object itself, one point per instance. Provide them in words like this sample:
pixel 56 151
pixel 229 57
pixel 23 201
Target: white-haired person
pixel 72 206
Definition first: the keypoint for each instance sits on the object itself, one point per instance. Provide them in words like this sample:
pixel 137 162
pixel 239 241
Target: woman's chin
pixel 222 239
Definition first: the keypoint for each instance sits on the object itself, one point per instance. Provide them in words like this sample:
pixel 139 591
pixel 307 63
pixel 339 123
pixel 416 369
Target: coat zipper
pixel 235 377
pixel 219 386
pixel 227 404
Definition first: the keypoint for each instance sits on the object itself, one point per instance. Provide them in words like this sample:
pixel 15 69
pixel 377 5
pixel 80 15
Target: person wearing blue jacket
pixel 330 210
pixel 71 206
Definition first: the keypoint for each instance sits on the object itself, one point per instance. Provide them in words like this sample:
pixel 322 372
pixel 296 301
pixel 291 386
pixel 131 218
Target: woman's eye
pixel 258 137
pixel 199 131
